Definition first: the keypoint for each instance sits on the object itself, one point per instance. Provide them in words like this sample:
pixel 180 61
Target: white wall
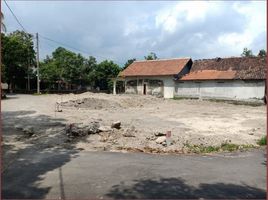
pixel 169 84
pixel 229 89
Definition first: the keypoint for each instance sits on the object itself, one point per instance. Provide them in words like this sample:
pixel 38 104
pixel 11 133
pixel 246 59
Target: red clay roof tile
pixel 155 67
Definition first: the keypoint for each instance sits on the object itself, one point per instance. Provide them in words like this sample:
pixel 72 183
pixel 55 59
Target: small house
pixel 154 77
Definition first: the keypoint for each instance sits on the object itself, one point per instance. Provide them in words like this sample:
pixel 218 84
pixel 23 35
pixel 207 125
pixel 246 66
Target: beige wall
pixel 166 89
pixel 229 89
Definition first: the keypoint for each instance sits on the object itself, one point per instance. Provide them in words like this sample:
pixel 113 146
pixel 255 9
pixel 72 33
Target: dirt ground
pixel 190 121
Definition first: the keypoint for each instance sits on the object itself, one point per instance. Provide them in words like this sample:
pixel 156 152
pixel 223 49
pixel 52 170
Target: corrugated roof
pixel 155 67
pixel 228 68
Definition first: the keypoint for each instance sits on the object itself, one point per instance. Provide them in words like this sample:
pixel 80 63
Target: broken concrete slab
pixel 104 129
pixel 158 134
pixel 161 139
pixel 116 125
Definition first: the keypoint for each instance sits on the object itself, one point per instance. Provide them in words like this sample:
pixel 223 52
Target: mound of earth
pixel 91 103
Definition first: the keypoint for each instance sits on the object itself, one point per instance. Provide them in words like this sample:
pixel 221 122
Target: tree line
pixel 62 70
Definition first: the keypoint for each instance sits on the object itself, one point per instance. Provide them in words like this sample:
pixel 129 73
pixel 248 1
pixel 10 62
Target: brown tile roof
pixel 155 67
pixel 228 68
pixel 209 74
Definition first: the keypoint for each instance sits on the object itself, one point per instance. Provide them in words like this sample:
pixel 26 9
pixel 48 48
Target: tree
pixel 247 53
pixel 102 74
pixel 17 55
pixel 89 66
pixel 129 62
pixel 262 53
pixel 151 56
pixel 67 66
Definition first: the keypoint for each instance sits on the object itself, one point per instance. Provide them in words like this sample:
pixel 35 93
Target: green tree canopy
pixel 151 56
pixel 17 56
pixel 262 53
pixel 63 65
pixel 102 73
pixel 129 62
pixel 247 53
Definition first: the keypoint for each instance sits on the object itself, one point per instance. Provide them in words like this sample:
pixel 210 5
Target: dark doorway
pixel 144 89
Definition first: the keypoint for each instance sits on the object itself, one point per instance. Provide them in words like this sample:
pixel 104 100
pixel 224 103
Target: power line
pixel 52 40
pixel 67 45
pixel 63 44
pixel 15 16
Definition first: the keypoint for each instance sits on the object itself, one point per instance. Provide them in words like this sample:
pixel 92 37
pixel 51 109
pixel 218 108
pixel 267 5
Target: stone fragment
pixel 116 125
pixel 159 134
pixel 104 129
pixel 161 139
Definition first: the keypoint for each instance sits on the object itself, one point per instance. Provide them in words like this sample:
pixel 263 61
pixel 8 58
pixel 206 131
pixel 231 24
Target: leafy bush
pixel 262 141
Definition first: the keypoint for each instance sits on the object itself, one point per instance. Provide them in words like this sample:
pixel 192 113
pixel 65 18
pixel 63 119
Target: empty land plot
pixel 33 120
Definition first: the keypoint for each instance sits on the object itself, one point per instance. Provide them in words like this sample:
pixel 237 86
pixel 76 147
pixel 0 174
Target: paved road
pixel 69 174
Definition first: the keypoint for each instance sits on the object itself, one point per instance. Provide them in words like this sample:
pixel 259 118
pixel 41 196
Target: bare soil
pixel 190 121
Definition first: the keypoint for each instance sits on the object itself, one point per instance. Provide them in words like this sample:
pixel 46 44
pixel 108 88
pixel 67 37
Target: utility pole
pixel 28 72
pixel 37 64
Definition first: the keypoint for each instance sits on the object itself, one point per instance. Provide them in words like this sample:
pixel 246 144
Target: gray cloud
pixel 123 30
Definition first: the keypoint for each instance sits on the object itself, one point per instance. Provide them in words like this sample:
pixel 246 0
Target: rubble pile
pixel 91 103
pixel 80 129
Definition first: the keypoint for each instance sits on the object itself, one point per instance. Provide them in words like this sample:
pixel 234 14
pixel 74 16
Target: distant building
pixel 154 77
pixel 235 78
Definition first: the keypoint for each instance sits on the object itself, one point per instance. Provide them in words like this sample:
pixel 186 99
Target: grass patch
pixel 262 141
pixel 236 102
pixel 184 98
pixel 36 94
pixel 225 147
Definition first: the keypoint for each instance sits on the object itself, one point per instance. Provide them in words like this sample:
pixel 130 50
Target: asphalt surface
pixel 69 174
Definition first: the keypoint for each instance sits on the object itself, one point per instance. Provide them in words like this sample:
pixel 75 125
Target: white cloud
pixel 200 29
pixel 255 14
pixel 175 16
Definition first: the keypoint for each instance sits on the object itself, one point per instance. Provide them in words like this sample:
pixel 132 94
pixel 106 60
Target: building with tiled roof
pixel 226 78
pixel 155 77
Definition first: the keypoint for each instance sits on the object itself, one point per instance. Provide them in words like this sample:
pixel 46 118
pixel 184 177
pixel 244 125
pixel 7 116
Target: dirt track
pixel 190 121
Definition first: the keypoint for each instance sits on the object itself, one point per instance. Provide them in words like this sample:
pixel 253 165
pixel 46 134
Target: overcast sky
pixel 122 30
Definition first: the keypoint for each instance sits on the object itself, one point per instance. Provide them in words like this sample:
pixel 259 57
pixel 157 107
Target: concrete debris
pixel 116 125
pixel 80 129
pixel 151 137
pixel 93 127
pixel 57 107
pixel 161 139
pixel 29 130
pixel 130 132
pixel 105 129
pixel 18 127
pixel 91 103
pixel 157 134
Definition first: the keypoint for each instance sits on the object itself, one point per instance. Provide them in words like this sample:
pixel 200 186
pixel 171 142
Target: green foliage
pixel 227 147
pixel 247 53
pixel 102 74
pixel 75 69
pixel 18 56
pixel 151 56
pixel 262 53
pixel 129 62
pixel 262 141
